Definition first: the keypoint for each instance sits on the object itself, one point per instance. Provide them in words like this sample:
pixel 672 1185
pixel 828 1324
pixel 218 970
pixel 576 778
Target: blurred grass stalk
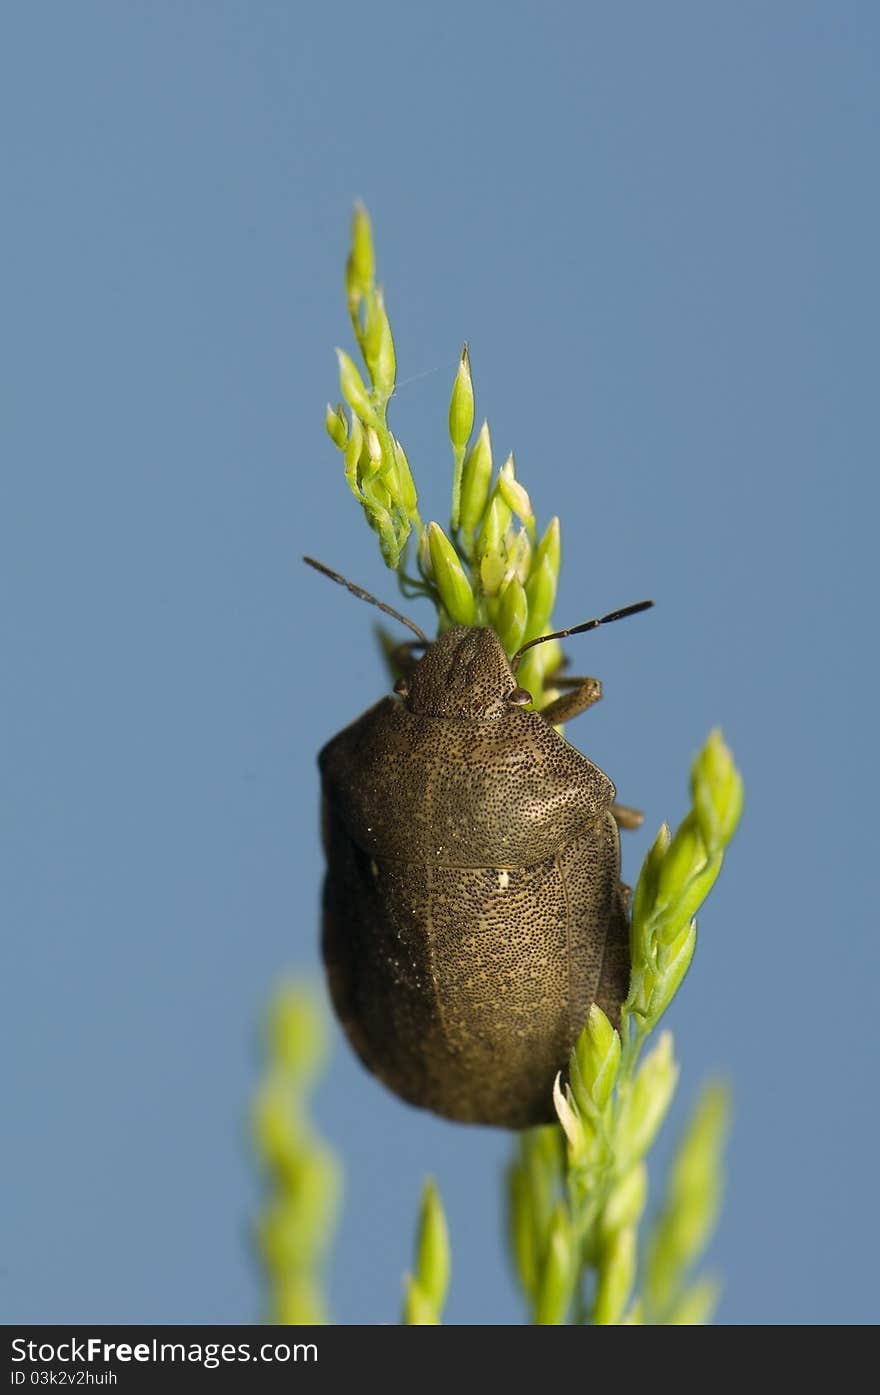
pixel 297 1220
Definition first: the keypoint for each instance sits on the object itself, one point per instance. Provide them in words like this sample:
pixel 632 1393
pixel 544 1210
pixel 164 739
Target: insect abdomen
pixel 464 988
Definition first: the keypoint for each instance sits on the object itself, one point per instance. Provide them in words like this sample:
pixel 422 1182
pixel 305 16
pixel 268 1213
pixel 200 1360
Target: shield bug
pixel 472 908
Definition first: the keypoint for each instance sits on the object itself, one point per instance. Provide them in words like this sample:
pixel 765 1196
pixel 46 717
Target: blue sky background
pixel 658 227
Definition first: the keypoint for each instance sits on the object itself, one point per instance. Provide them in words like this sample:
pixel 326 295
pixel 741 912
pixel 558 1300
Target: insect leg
pixel 402 658
pixel 627 817
pixel 585 691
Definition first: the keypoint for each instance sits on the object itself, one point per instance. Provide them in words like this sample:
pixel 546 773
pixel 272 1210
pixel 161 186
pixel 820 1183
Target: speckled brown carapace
pixel 472 904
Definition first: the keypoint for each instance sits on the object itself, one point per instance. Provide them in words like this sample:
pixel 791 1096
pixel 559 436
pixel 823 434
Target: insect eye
pixel 520 698
pixel 402 687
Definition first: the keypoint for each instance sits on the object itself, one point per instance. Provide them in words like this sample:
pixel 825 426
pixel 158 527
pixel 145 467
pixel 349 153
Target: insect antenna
pixel 363 595
pixel 580 629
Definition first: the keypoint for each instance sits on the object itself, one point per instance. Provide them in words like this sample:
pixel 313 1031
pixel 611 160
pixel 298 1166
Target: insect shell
pixel 472 906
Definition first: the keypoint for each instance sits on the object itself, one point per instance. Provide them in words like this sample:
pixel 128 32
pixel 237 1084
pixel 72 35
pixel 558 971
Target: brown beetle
pixel 473 908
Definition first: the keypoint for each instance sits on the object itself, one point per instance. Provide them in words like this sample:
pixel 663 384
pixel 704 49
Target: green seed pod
pixel 453 585
pixel 461 406
pixel 353 451
pixel 354 390
pixel 379 510
pixel 570 1121
pixel 515 496
pixel 645 898
pixel 337 426
pixel 493 531
pixel 492 573
pixel 541 594
pixel 379 347
pixel 596 1060
pixel 685 880
pixel 519 554
pixel 674 962
pixel 492 546
pixel 644 1109
pixel 426 566
pixel 717 791
pixel 550 547
pixel 373 450
pixel 408 495
pixel 361 265
pixel 433 1262
pixel 511 614
pixel 476 481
